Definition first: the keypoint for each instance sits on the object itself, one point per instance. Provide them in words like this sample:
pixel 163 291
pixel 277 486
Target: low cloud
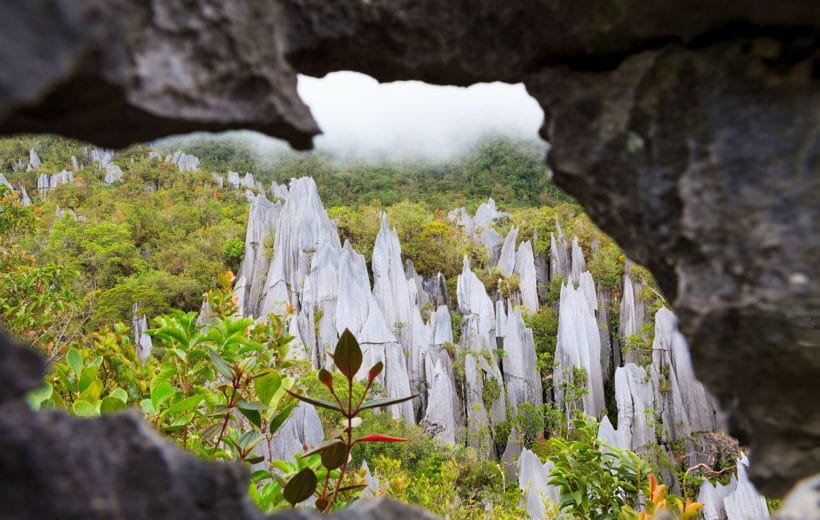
pixel 363 119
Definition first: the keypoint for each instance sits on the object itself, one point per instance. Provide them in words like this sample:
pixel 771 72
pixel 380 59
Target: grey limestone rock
pixel 234 181
pixel 506 260
pixel 25 200
pixel 33 160
pixel 533 481
pixel 528 282
pixel 113 173
pixel 578 349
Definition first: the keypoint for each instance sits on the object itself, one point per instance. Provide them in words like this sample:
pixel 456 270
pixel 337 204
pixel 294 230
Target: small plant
pixel 335 454
pixel 594 482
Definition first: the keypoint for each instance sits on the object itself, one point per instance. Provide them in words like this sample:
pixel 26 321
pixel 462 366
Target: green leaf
pixel 249 440
pixel 387 401
pixel 92 392
pixel 300 487
pixel 221 365
pixel 38 396
pixel 253 416
pixel 147 407
pixel 348 355
pixel 84 409
pixel 282 416
pixel 183 406
pixel 266 386
pixel 334 455
pixel 111 404
pixel 219 410
pixel 75 360
pixel 317 402
pixel 160 394
pixel 87 377
pixel 248 405
pixel 120 394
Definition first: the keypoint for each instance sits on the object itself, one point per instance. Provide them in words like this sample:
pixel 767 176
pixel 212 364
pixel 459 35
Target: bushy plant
pixel 335 454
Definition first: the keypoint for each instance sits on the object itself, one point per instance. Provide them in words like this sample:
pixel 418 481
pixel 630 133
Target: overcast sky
pixel 361 117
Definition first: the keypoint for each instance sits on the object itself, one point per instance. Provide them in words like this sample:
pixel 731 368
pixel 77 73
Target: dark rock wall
pixel 703 165
pixel 688 129
pixel 116 72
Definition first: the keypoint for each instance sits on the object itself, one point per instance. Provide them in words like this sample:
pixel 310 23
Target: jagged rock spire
pixel 303 228
pixel 33 160
pixel 533 478
pixel 578 348
pixel 523 382
pixel 738 500
pixel 525 269
pixel 506 261
pixel 113 173
pixel 262 220
pixel 142 340
pixel 234 180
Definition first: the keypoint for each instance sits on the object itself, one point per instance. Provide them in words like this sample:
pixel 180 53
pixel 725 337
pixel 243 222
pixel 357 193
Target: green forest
pixel 81 262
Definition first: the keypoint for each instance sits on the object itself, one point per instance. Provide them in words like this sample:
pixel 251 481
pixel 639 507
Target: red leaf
pixel 375 370
pixel 326 378
pixel 379 437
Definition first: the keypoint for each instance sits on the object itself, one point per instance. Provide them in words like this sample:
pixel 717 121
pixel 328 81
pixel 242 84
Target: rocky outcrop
pixel 262 220
pixel 113 173
pixel 480 227
pixel 302 230
pixel 164 68
pixel 536 492
pixel 521 377
pixel 729 242
pixel 737 500
pixel 527 278
pixel 578 352
pixel 33 160
pixel 25 200
pixel 185 162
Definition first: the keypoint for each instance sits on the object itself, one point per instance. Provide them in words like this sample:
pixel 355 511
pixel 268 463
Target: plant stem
pixel 348 446
pixel 227 417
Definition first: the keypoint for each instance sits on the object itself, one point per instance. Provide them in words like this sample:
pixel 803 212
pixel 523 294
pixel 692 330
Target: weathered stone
pixel 527 278
pixel 521 378
pixel 635 400
pixel 33 160
pixel 234 181
pixel 533 478
pixel 25 200
pixel 113 173
pixel 802 502
pixel 506 261
pixel 123 71
pixel 303 229
pixel 578 351
pixel 262 220
pixel 725 217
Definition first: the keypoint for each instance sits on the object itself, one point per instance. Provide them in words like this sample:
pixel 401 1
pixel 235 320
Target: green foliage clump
pixel 595 481
pixel 544 325
pixel 233 250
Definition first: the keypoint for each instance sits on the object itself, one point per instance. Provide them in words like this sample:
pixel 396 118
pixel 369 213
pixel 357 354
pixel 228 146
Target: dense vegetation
pixel 165 239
